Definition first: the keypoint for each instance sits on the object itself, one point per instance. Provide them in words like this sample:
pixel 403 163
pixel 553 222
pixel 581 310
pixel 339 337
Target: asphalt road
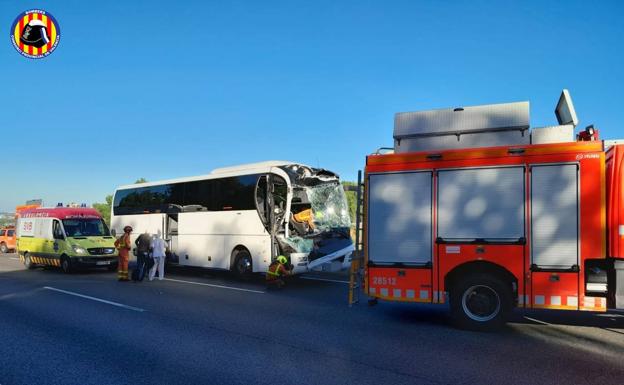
pixel 203 327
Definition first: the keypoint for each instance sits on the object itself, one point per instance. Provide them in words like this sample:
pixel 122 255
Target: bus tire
pixel 66 265
pixel 480 302
pixel 243 264
pixel 3 248
pixel 28 262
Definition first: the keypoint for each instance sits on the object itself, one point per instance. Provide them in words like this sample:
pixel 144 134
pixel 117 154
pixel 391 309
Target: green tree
pixel 105 209
pixel 6 221
pixel 140 180
pixel 351 193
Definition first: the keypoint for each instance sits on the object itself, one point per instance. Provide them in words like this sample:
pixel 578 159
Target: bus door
pixel 170 233
pixel 271 203
pixel 554 236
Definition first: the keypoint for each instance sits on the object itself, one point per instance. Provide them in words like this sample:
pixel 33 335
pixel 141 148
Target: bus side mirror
pixel 113 232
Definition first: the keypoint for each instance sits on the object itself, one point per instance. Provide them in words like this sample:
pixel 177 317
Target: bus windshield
pixel 85 228
pixel 330 207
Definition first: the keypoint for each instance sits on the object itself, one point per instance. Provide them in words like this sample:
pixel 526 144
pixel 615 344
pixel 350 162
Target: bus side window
pixel 57 231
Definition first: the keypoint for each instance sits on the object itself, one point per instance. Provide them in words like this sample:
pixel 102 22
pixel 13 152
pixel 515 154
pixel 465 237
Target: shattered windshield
pixel 329 205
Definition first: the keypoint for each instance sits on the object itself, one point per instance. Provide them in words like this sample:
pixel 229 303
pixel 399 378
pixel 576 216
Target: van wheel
pixel 28 262
pixel 66 265
pixel 243 266
pixel 3 248
pixel 480 302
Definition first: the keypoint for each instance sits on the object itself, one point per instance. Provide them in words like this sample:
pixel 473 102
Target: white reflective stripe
pixel 527 299
pixel 410 293
pixel 539 300
pixel 372 290
pixel 555 300
pixel 384 291
pixel 424 294
pixel 596 286
pixel 520 300
pixel 603 302
pixel 621 230
pixel 589 302
pixel 396 293
pixel 436 296
pixel 572 301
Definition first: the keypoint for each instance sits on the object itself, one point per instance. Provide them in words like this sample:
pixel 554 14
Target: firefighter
pixel 123 247
pixel 277 270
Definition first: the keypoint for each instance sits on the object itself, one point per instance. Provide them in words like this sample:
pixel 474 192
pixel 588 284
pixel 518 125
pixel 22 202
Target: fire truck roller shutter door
pixel 554 216
pixel 400 219
pixel 486 203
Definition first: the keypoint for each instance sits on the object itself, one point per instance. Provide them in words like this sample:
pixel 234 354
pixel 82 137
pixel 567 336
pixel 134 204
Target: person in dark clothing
pixel 142 252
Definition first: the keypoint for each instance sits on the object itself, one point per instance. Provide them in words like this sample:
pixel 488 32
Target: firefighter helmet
pixel 35 34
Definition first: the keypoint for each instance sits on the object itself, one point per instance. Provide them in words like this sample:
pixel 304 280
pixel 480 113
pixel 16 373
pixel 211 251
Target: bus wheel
pixel 28 262
pixel 3 248
pixel 66 265
pixel 243 266
pixel 480 302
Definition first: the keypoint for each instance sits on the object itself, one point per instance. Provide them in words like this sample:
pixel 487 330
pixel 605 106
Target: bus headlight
pixel 79 250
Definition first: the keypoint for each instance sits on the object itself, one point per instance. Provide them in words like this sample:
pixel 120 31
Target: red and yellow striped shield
pixel 35 34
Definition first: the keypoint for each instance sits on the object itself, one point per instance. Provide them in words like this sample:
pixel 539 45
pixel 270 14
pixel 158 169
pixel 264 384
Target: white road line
pixel 536 320
pixel 16 259
pixel 94 299
pixel 217 286
pixel 324 279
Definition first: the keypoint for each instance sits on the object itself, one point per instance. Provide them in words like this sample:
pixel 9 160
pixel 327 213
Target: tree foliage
pixel 351 194
pixel 105 209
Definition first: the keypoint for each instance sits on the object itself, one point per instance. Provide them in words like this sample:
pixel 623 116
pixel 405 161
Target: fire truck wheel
pixel 243 266
pixel 28 262
pixel 480 302
pixel 66 265
pixel 3 248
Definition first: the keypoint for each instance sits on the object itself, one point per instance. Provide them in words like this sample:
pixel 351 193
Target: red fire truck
pixel 476 209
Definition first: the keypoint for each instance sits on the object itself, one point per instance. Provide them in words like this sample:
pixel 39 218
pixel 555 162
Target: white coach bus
pixel 241 218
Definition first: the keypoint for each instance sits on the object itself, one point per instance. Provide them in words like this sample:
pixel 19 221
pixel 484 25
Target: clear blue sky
pixel 168 89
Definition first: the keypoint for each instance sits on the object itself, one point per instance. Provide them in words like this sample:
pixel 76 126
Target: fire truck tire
pixel 3 248
pixel 480 302
pixel 28 262
pixel 243 265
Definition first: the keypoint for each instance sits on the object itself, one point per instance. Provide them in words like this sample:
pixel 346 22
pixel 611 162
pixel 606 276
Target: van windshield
pixel 85 228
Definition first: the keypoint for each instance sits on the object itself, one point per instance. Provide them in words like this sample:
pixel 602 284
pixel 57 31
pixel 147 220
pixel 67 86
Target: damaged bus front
pixel 241 218
pixel 309 220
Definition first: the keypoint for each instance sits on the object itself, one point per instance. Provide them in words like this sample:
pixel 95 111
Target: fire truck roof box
pixel 477 126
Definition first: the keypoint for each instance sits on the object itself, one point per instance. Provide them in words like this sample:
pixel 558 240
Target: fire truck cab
pixel 477 209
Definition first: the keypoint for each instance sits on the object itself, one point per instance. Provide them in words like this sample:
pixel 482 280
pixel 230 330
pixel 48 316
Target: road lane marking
pixel 216 286
pixel 16 259
pixel 537 321
pixel 324 279
pixel 94 299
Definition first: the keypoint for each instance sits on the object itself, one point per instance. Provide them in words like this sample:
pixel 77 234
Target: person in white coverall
pixel 158 247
